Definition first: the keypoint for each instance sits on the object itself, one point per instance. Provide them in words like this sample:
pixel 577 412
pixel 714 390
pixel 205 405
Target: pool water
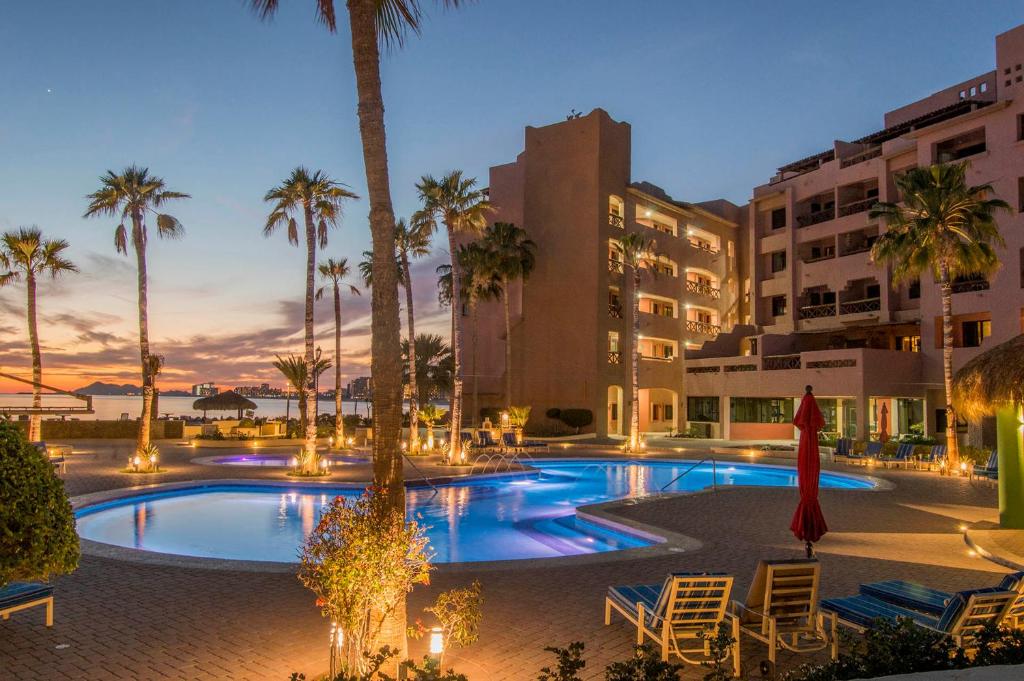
pixel 477 519
pixel 278 461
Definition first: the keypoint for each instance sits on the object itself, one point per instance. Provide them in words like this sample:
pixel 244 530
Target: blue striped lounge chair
pixel 904 456
pixel 872 450
pixel 485 440
pixel 23 595
pixel 990 471
pixel 677 613
pixel 508 441
pixel 934 458
pixel 964 615
pixel 843 448
pixel 934 602
pixel 782 611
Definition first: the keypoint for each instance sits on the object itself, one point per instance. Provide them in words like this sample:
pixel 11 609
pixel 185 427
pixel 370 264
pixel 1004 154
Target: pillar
pixel 723 415
pixel 862 418
pixel 1011 467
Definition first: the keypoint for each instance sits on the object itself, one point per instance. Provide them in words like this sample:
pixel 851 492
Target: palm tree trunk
pixel 385 344
pixel 339 421
pixel 476 377
pixel 456 406
pixel 414 406
pixel 310 464
pixel 634 376
pixel 508 343
pixel 139 241
pixel 946 291
pixel 35 421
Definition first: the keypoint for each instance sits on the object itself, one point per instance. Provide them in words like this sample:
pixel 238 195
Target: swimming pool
pixel 274 460
pixel 468 520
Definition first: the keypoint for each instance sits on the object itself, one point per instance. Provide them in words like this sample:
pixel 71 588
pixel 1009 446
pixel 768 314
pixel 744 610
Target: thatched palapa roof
pixel 226 401
pixel 991 380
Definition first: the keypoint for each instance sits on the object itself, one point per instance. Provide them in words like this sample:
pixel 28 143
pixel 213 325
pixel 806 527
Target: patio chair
pixel 59 462
pixel 23 595
pixel 871 451
pixel 990 471
pixel 934 602
pixel 485 441
pixel 677 613
pixel 934 458
pixel 904 456
pixel 781 609
pixel 508 441
pixel 843 448
pixel 964 615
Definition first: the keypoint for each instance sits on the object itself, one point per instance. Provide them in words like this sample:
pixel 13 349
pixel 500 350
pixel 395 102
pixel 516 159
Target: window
pixel 655 412
pixel 662 309
pixel 778 306
pixel 983 87
pixel 973 333
pixel 614 415
pixel 908 343
pixel 1020 194
pixel 702 409
pixel 778 261
pixel 667 411
pixel 778 218
pixel 761 409
pixel 613 341
pixel 731 248
pixel 914 289
pixel 872 291
pixel 961 146
pixel 1020 126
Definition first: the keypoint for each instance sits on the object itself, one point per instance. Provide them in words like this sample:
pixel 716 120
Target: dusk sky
pixel 223 106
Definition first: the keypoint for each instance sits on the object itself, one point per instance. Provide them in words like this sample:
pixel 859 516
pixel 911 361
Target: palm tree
pixel 318 199
pixel 296 372
pixel 24 254
pixel 131 195
pixel 480 282
pixel 430 415
pixel 336 271
pixel 411 241
pixel 636 251
pixel 433 366
pixel 513 259
pixel 455 202
pixel 947 227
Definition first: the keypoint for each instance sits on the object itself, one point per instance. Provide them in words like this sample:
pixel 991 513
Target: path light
pixel 436 642
pixel 152 459
pixel 330 440
pixel 135 463
pixel 506 420
pixel 963 468
pixel 293 462
pixel 351 441
pixel 404 445
pixel 323 464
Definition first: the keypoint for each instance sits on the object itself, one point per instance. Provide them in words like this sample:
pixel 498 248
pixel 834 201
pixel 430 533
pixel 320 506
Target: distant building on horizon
pixel 204 389
pixel 263 390
pixel 360 388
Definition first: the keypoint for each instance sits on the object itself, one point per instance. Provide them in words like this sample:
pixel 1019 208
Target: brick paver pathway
pixel 126 620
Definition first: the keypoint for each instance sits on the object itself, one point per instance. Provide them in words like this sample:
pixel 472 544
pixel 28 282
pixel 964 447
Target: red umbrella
pixel 808 522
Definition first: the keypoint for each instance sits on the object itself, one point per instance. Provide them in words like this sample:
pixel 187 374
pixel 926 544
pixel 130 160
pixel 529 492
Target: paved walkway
pixel 125 620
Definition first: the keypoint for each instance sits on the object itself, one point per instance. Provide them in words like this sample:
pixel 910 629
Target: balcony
pixel 970 285
pixel 857 206
pixel 616 221
pixel 655 358
pixel 703 289
pixel 704 328
pixel 860 306
pixel 704 247
pixel 816 217
pixel 615 310
pixel 780 362
pixel 863 156
pixel 614 357
pixel 615 266
pixel 818 311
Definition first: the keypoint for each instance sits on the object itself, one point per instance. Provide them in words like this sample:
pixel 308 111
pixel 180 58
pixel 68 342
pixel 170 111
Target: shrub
pixel 37 527
pixel 553 413
pixel 492 413
pixel 429 671
pixel 974 454
pixel 569 662
pixel 645 664
pixel 458 612
pixel 518 416
pixel 577 418
pixel 547 429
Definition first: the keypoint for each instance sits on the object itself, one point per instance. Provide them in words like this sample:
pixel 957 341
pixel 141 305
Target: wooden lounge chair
pixel 966 613
pixel 676 614
pixel 904 456
pixel 990 471
pixel 23 595
pixel 781 609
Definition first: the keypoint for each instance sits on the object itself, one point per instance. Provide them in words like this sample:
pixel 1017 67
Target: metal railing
pixel 615 266
pixel 616 220
pixel 866 155
pixel 714 474
pixel 780 362
pixel 857 207
pixel 703 289
pixel 614 357
pixel 816 217
pixel 705 328
pixel 703 246
pixel 818 311
pixel 856 306
pixel 615 310
pixel 968 285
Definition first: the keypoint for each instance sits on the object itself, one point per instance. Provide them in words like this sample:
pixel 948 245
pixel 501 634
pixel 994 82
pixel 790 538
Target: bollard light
pixel 436 642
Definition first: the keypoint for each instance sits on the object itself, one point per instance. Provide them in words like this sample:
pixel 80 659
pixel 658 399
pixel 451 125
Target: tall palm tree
pixel 318 200
pixel 636 251
pixel 336 271
pixel 455 202
pixel 25 254
pixel 947 227
pixel 411 241
pixel 513 256
pixel 296 372
pixel 133 195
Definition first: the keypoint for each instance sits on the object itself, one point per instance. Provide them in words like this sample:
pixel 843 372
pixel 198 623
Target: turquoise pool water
pixel 477 519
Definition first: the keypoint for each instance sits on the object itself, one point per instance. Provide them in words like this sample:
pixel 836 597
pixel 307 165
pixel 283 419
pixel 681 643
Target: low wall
pixel 761 431
pixel 83 430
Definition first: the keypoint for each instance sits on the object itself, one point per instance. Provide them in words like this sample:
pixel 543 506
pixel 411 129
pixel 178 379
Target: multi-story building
pixel 204 389
pixel 824 314
pixel 360 388
pixel 572 190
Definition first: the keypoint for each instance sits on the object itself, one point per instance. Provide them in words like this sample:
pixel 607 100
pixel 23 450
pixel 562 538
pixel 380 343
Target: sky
pixel 223 106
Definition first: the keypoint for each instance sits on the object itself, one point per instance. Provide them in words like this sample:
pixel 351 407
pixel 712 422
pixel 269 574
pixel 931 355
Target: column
pixel 1011 468
pixel 862 418
pixel 723 415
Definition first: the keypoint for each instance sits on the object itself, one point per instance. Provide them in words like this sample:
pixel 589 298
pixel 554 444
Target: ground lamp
pixel 993 384
pixel 436 643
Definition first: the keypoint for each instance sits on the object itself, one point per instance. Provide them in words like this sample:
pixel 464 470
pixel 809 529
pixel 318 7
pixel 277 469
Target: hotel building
pixel 761 299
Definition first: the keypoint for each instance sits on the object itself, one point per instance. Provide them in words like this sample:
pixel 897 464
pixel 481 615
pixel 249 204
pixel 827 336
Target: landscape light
pixel 436 642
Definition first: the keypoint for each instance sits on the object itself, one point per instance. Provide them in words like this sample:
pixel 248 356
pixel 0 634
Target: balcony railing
pixel 614 357
pixel 858 306
pixel 781 362
pixel 855 249
pixel 816 217
pixel 828 255
pixel 705 247
pixel 857 207
pixel 865 155
pixel 655 358
pixel 615 266
pixel 968 285
pixel 616 220
pixel 615 310
pixel 705 328
pixel 818 311
pixel 703 289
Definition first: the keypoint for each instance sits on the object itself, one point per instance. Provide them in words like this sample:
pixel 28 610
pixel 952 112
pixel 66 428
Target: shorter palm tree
pixel 25 254
pixel 430 414
pixel 336 271
pixel 433 366
pixel 946 227
pixel 636 251
pixel 296 372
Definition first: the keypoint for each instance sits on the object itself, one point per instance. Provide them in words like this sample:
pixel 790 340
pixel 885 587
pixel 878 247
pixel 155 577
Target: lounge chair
pixel 508 441
pixel 781 609
pixel 962 617
pixel 677 613
pixel 484 440
pixel 934 602
pixel 990 471
pixel 59 462
pixel 904 456
pixel 872 450
pixel 934 459
pixel 843 448
pixel 23 595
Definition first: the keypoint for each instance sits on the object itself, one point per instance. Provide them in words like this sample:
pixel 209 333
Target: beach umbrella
pixel 883 424
pixel 808 522
pixel 226 401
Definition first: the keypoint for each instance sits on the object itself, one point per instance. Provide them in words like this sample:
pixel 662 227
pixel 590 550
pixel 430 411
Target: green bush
pixel 430 670
pixel 553 413
pixel 645 664
pixel 568 663
pixel 577 418
pixel 976 455
pixel 37 526
pixel 537 428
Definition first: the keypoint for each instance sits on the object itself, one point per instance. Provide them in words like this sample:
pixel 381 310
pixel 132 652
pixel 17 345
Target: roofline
pixel 688 207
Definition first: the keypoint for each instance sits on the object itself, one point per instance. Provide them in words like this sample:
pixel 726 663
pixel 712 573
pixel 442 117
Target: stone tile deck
pixel 125 620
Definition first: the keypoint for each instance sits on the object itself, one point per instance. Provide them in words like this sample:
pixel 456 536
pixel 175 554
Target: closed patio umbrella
pixel 883 424
pixel 808 522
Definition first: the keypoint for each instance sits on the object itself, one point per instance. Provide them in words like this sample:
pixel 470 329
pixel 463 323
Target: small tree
pixel 361 561
pixel 576 418
pixel 37 526
pixel 458 612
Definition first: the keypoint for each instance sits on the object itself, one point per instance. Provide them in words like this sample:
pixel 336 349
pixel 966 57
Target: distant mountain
pixel 100 388
pixel 175 393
